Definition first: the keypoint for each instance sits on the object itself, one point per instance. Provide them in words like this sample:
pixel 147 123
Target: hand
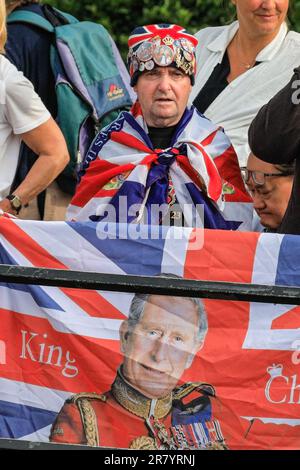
pixel 6 207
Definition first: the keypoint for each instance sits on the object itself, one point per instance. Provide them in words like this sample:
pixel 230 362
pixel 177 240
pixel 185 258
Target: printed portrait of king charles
pixel 146 407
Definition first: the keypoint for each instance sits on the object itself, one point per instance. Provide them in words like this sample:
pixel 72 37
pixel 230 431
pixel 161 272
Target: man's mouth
pixel 153 371
pixel 164 100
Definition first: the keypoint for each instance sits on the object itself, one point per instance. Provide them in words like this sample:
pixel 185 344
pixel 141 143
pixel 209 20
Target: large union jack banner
pixel 56 342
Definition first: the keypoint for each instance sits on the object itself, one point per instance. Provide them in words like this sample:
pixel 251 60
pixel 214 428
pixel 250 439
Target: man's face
pixel 161 346
pixel 271 199
pixel 163 95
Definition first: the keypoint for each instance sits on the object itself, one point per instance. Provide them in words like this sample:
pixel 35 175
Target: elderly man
pixel 146 408
pixel 270 187
pixel 162 154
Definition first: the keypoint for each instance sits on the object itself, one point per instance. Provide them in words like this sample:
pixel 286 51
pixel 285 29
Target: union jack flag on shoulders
pixel 124 176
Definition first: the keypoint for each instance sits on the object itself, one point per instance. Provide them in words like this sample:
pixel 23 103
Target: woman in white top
pixel 24 117
pixel 242 65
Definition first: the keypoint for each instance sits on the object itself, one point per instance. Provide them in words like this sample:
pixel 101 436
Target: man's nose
pixel 161 355
pixel 164 83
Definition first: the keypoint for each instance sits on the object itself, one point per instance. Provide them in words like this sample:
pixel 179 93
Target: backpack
pixel 90 90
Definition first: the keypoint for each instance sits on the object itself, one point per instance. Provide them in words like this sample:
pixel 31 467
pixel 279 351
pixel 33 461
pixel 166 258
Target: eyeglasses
pixel 258 177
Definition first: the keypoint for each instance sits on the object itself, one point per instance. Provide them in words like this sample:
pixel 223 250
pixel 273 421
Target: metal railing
pixel 151 285
pixel 138 284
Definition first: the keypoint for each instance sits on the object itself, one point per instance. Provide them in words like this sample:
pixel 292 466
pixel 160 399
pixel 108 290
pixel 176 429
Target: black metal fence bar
pixel 137 284
pixel 150 285
pixel 14 444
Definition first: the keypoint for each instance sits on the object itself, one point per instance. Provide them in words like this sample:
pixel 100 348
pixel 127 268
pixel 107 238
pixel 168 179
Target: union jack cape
pixel 201 163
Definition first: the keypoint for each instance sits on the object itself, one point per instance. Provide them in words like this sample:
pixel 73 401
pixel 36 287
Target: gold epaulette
pixel 183 390
pixel 83 401
pixel 86 396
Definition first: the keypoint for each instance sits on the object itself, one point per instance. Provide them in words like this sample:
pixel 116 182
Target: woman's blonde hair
pixel 3 34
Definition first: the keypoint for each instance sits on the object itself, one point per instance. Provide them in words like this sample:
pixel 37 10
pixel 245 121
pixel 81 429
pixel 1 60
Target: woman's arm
pixel 49 144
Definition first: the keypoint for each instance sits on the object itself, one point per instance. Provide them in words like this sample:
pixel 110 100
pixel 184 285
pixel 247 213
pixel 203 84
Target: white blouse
pixel 237 105
pixel 21 110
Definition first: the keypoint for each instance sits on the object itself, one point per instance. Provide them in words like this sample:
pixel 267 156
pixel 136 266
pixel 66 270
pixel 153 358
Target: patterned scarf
pixel 123 176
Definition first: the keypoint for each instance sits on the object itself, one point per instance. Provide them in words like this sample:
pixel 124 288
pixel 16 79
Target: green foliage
pixel 121 16
pixel 294 14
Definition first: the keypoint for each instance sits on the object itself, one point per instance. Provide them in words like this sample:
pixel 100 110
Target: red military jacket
pixel 124 418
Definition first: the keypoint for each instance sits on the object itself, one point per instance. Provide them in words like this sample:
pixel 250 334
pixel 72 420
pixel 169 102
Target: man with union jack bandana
pixel 162 153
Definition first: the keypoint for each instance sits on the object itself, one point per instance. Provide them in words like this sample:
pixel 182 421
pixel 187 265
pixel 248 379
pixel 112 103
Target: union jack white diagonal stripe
pixel 58 341
pixel 50 323
pixel 143 33
pixel 123 163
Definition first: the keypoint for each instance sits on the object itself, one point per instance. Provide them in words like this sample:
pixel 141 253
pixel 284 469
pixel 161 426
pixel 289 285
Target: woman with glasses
pixel 240 66
pixel 274 135
pixel 270 187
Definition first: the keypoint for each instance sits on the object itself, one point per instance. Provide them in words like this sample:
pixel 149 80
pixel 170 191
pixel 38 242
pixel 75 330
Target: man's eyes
pixel 178 73
pixel 153 333
pixel 178 339
pixel 152 73
pixel 157 334
pixel 175 74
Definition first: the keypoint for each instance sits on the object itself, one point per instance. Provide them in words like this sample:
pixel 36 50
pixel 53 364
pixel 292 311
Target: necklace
pixel 246 65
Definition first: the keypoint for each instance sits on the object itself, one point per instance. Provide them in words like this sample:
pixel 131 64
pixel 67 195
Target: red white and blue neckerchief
pixel 123 162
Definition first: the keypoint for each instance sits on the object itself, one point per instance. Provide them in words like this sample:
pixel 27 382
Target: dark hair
pixel 286 168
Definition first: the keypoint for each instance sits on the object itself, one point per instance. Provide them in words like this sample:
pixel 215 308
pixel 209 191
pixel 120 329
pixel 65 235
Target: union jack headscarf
pixel 161 45
pixel 201 162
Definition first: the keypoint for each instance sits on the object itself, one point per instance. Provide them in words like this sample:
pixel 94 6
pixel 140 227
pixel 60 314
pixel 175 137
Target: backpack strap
pixel 53 18
pixel 25 16
pixel 57 17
